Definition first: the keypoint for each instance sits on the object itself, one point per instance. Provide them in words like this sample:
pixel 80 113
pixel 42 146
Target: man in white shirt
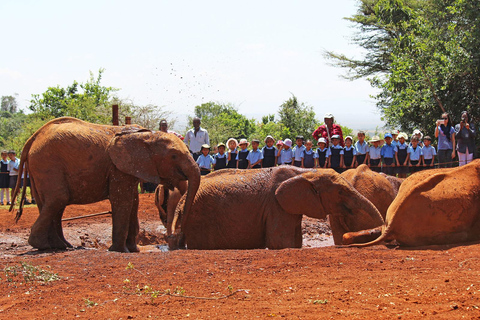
pixel 195 138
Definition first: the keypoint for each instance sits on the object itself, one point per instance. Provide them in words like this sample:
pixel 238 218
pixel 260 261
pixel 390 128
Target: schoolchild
pixel 298 151
pixel 349 153
pixel 269 153
pixel 286 152
pixel 279 148
pixel 401 156
pixel 232 145
pixel 428 152
pixel 308 155
pixel 205 161
pixel 388 154
pixel 322 153
pixel 242 162
pixel 361 148
pixel 417 133
pixel 415 155
pixel 4 177
pixel 220 157
pixel 395 137
pixel 374 154
pixel 335 154
pixel 12 168
pixel 255 156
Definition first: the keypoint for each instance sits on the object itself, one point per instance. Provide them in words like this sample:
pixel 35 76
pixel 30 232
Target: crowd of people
pixel 8 175
pixel 395 154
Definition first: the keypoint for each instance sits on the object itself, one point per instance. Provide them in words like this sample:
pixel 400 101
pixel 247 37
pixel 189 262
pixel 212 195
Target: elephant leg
pixel 58 230
pixel 337 228
pixel 283 231
pixel 44 233
pixel 134 227
pixel 122 193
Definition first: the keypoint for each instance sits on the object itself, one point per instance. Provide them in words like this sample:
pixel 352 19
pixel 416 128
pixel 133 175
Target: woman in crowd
pixel 445 133
pixel 465 135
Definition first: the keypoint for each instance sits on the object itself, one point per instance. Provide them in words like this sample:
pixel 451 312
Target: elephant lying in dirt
pixel 166 201
pixel 433 207
pixel 248 209
pixel 74 162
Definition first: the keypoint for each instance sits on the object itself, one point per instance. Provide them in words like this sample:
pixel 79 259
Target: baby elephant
pixel 433 207
pixel 248 209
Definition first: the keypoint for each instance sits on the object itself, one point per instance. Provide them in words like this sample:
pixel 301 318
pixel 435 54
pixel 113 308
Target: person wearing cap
pixel 361 148
pixel 297 151
pixel 285 154
pixel 220 157
pixel 163 126
pixel 255 156
pixel 204 160
pixel 242 162
pixel 269 153
pixel 328 129
pixel 349 154
pixel 388 154
pixel 401 156
pixel 335 154
pixel 232 145
pixel 322 151
pixel 374 154
pixel 195 138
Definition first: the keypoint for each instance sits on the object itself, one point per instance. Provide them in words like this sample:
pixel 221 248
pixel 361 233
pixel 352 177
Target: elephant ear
pixel 130 154
pixel 297 195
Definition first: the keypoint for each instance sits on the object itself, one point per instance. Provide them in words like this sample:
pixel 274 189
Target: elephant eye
pixel 174 157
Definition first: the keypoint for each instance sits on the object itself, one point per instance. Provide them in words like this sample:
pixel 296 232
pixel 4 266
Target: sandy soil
pixel 316 282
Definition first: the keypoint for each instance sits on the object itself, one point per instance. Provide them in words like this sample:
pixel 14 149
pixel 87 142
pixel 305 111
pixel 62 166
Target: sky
pixel 179 54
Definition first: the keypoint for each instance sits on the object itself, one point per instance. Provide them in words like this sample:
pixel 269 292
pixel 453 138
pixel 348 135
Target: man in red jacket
pixel 328 129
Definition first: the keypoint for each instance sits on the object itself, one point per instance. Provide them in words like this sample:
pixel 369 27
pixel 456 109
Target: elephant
pixel 166 201
pixel 263 208
pixel 433 207
pixel 75 162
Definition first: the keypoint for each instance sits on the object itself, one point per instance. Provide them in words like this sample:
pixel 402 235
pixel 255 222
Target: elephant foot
pixel 118 248
pixel 133 248
pixel 40 243
pixel 175 241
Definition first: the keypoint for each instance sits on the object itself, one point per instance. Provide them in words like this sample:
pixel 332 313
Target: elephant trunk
pixel 367 215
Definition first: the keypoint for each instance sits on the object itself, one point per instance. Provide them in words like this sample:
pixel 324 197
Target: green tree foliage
pixel 89 101
pixel 298 118
pixel 223 122
pixel 423 55
pixel 268 126
pixel 9 104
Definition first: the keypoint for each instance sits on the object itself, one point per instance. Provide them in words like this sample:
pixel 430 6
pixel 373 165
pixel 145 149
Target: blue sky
pixel 178 54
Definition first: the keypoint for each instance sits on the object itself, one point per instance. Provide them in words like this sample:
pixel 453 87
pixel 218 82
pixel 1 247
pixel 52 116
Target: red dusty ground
pixel 310 283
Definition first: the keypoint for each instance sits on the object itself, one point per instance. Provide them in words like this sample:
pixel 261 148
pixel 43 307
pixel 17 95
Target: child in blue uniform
pixel 285 153
pixel 220 157
pixel 322 153
pixel 401 156
pixel 255 156
pixel 205 161
pixel 269 153
pixel 374 154
pixel 335 154
pixel 308 155
pixel 428 152
pixel 232 145
pixel 388 153
pixel 414 155
pixel 298 151
pixel 4 177
pixel 349 153
pixel 361 148
pixel 242 162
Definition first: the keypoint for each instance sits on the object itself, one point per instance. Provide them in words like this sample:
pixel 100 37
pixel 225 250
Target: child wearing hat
pixel 285 154
pixel 322 153
pixel 255 156
pixel 220 157
pixel 242 162
pixel 401 156
pixel 349 153
pixel 361 148
pixel 374 154
pixel 297 151
pixel 428 152
pixel 269 153
pixel 388 154
pixel 232 145
pixel 335 154
pixel 205 161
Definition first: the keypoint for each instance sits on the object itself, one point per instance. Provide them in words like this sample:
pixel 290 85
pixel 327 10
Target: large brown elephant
pixel 433 207
pixel 247 209
pixel 74 162
pixel 166 202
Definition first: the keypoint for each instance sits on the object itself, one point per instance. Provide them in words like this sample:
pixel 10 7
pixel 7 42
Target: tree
pixel 89 101
pixel 297 118
pixel 9 103
pixel 223 122
pixel 268 126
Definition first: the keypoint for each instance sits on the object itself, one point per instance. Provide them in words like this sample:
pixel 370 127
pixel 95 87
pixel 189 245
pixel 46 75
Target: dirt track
pixel 311 283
